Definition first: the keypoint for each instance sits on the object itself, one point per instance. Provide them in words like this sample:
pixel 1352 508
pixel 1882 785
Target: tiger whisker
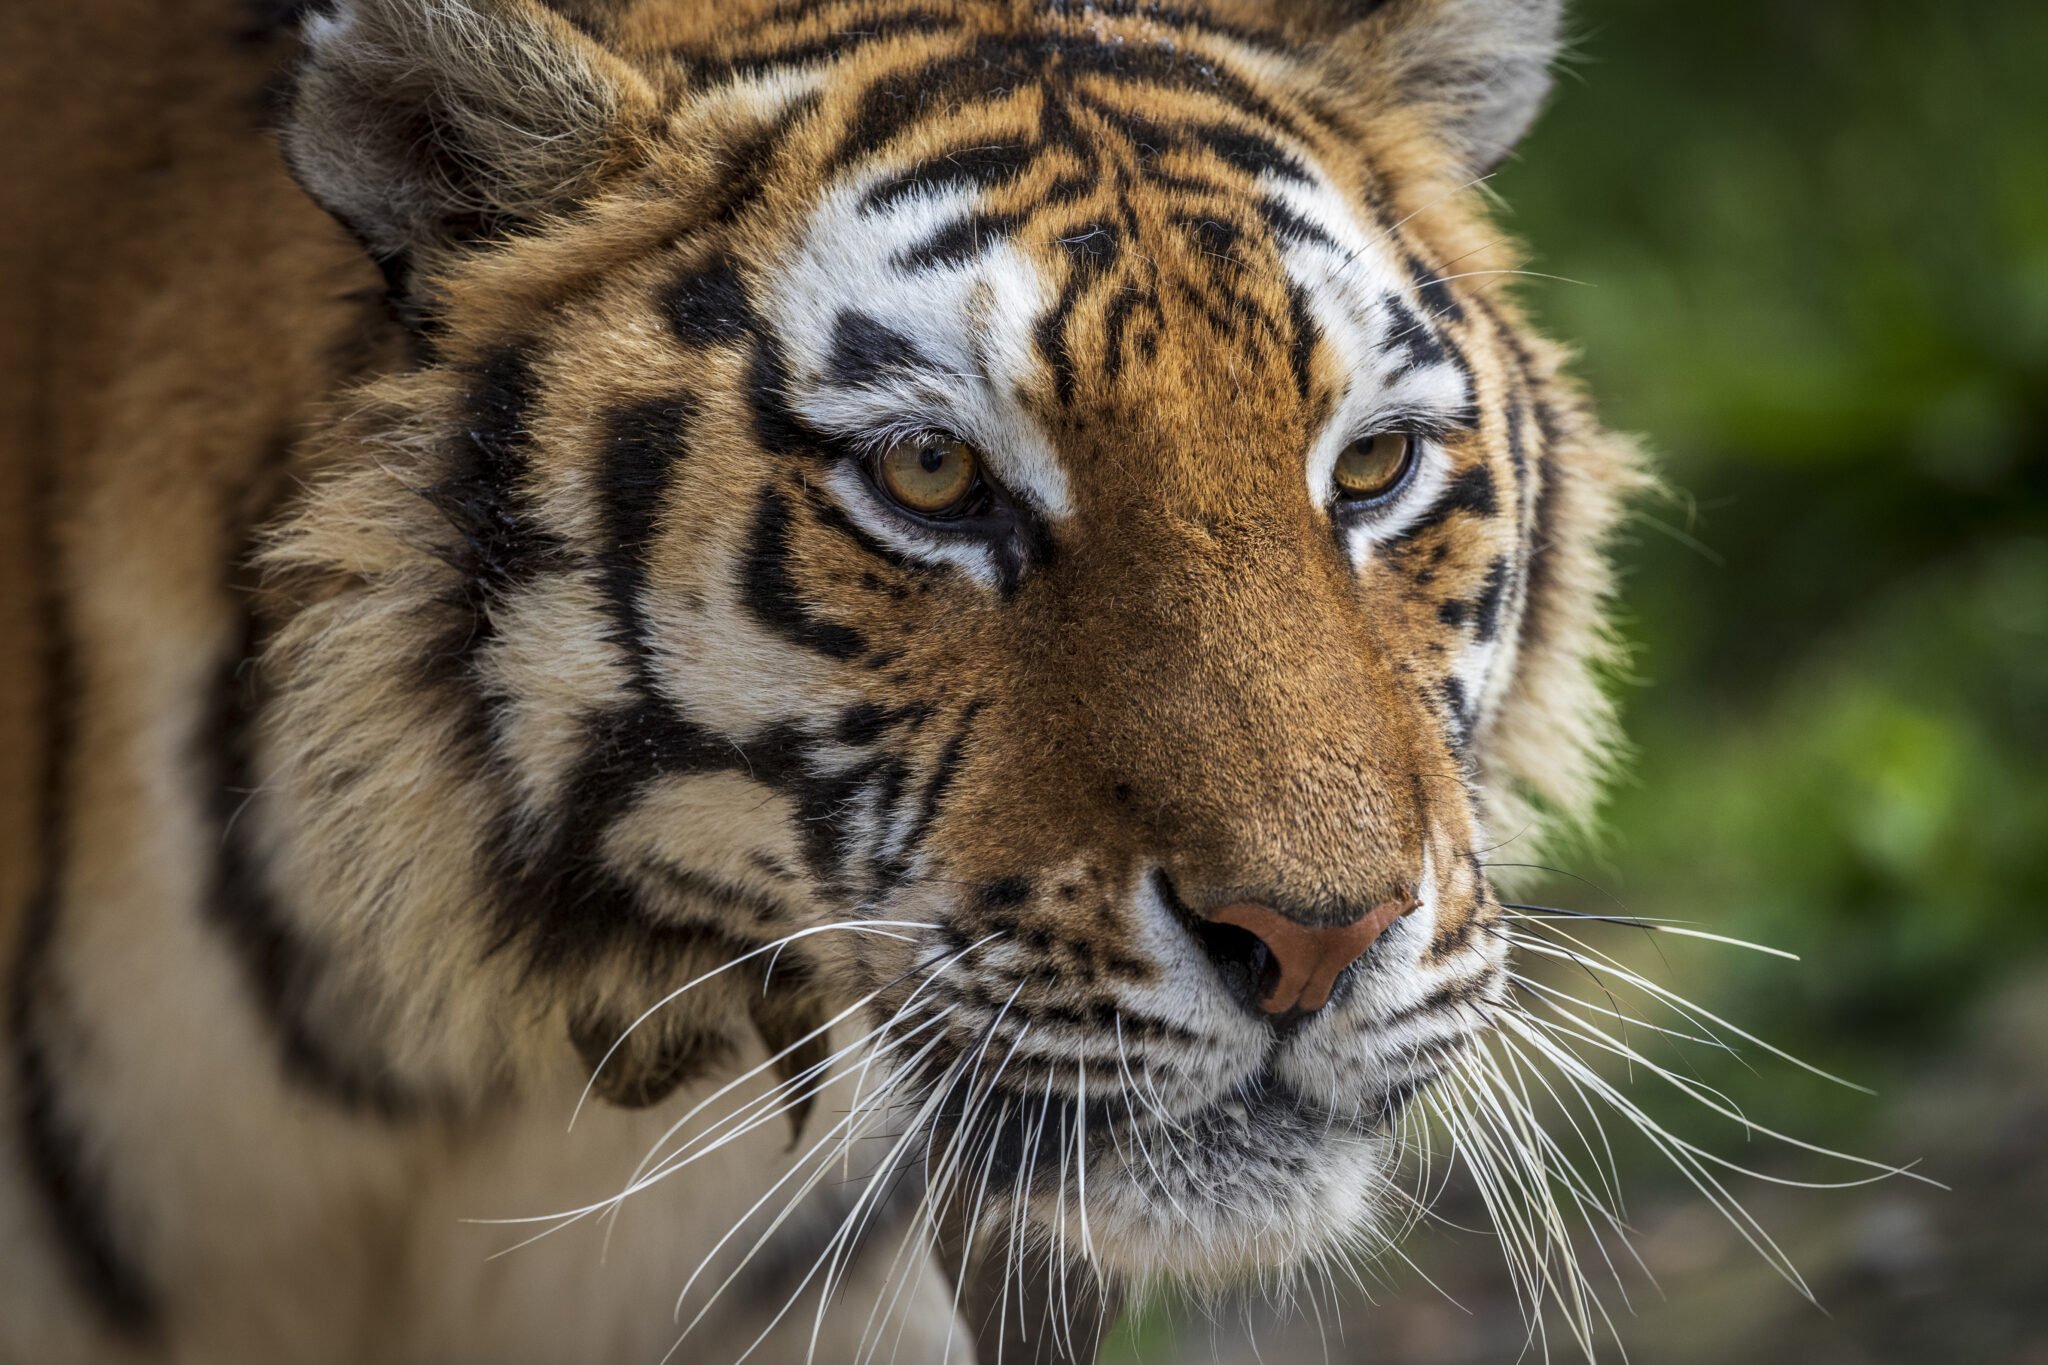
pixel 880 927
pixel 846 1124
pixel 869 1054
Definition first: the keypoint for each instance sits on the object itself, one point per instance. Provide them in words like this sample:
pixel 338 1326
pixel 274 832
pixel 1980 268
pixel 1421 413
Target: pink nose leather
pixel 1309 956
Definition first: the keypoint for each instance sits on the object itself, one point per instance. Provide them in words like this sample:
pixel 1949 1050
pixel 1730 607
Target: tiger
pixel 697 681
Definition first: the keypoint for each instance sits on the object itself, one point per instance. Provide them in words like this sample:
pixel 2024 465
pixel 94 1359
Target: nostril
pixel 1249 970
pixel 1302 961
pixel 1284 966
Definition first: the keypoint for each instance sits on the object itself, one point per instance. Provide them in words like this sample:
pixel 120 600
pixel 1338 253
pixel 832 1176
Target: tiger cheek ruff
pixel 920 613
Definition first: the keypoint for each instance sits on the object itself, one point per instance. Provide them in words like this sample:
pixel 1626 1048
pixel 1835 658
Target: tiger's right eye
pixel 930 475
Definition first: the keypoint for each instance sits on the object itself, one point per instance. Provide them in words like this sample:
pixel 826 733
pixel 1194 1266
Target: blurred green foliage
pixel 1812 247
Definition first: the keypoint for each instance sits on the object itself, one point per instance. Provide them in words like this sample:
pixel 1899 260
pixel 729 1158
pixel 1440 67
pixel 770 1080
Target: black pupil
pixel 931 458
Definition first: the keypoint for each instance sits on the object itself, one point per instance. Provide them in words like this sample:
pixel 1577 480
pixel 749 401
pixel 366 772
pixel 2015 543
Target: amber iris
pixel 931 475
pixel 1371 466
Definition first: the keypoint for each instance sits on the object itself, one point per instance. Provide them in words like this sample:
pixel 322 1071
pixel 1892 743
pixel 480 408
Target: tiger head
pixel 1030 528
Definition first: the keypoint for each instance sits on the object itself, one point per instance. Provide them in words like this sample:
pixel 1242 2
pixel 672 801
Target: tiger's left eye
pixel 931 475
pixel 1372 466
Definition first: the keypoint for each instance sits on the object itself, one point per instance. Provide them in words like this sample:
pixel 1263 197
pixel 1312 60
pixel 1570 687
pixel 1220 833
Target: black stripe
pixel 1433 291
pixel 283 969
pixel 1092 251
pixel 980 166
pixel 1114 322
pixel 996 65
pixel 709 304
pixel 1458 707
pixel 1289 226
pixel 1151 12
pixel 1407 332
pixel 1301 351
pixel 1486 607
pixel 482 494
pixel 771 593
pixel 909 94
pixel 1540 572
pixel 766 912
pixel 561 898
pixel 776 425
pixel 1472 491
pixel 837 45
pixel 960 241
pixel 750 161
pixel 642 446
pixel 503 544
pixel 865 352
pixel 57 1154
pixel 940 780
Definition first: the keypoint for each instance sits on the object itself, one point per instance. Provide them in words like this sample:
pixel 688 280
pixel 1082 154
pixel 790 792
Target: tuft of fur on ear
pixel 1477 71
pixel 423 125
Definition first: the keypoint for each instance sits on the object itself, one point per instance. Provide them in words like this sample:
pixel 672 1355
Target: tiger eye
pixel 1371 466
pixel 934 476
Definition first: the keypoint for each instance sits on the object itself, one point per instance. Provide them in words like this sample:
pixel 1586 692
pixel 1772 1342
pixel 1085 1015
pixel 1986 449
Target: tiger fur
pixel 435 639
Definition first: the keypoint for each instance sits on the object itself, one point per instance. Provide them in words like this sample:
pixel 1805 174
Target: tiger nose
pixel 1294 966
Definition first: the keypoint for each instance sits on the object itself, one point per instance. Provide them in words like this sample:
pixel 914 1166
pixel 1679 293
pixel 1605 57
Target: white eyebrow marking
pixel 1346 278
pixel 969 322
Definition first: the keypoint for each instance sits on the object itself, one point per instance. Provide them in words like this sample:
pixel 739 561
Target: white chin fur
pixel 1223 1215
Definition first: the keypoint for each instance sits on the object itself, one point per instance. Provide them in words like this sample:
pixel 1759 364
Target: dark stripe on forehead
pixel 908 95
pixel 1302 349
pixel 1151 12
pixel 838 44
pixel 865 352
pixel 1146 11
pixel 1153 139
pixel 983 166
pixel 1117 320
pixel 1092 250
pixel 1419 343
pixel 960 241
pixel 748 163
pixel 1289 226
pixel 993 67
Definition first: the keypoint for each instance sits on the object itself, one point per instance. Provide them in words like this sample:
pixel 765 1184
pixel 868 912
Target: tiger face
pixel 1030 529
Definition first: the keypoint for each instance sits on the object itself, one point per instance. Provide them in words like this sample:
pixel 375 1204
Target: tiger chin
pixel 924 615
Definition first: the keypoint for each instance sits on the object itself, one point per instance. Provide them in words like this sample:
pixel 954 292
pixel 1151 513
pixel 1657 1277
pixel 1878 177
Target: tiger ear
pixel 1477 71
pixel 425 125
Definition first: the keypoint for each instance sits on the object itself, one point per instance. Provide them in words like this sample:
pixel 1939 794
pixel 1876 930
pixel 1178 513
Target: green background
pixel 1810 246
